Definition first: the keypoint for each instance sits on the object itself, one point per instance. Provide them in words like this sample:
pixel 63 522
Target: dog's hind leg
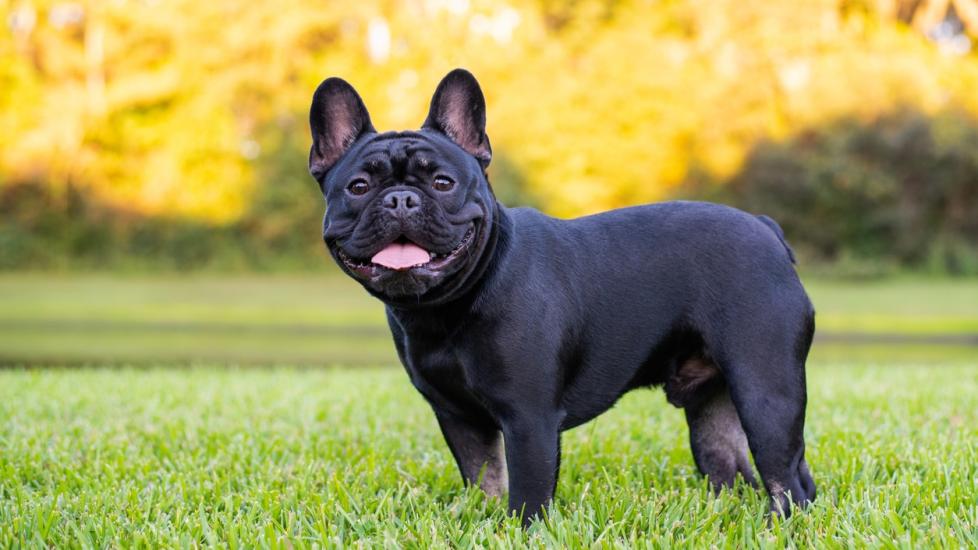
pixel 478 451
pixel 764 366
pixel 718 441
pixel 716 436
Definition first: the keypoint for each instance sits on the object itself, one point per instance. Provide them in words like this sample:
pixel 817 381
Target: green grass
pixel 327 319
pixel 310 319
pixel 295 458
pixel 908 306
pixel 248 300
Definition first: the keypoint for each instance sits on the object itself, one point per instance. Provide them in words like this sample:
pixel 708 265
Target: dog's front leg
pixel 533 460
pixel 478 450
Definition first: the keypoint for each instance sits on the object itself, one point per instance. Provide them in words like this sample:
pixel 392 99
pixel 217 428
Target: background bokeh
pixel 155 204
pixel 172 134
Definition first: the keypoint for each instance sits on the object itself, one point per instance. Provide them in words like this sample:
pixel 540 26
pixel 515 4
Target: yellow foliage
pixel 171 106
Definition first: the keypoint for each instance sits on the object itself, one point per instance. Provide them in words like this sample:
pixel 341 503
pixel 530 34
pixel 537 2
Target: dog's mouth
pixel 404 255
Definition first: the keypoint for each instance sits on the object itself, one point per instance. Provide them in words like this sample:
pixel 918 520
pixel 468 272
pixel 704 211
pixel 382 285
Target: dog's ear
pixel 458 110
pixel 337 118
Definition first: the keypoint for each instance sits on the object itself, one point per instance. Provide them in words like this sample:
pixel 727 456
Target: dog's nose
pixel 402 202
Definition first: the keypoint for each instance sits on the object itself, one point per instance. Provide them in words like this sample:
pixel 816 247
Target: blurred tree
pixel 924 15
pixel 194 113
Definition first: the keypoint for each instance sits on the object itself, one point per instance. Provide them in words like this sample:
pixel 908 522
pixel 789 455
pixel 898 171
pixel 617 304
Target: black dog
pixel 516 326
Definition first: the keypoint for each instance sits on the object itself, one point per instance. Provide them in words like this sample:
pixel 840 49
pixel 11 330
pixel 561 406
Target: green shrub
pixel 901 189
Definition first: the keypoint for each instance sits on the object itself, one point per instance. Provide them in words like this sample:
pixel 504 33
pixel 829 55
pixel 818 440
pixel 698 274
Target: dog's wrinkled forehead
pixel 398 153
pixel 407 151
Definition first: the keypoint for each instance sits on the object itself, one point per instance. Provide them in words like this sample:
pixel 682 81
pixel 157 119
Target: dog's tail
pixel 773 225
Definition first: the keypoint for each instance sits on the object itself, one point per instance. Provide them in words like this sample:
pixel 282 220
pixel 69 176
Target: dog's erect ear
pixel 337 118
pixel 458 110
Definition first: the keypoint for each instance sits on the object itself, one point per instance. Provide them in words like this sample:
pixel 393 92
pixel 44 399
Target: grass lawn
pixel 285 457
pixel 279 319
pixel 347 457
pixel 327 319
pixel 907 306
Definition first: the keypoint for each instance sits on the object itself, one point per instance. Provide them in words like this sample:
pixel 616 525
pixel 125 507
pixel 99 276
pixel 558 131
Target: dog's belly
pixel 611 370
pixel 593 393
pixel 585 402
pixel 586 410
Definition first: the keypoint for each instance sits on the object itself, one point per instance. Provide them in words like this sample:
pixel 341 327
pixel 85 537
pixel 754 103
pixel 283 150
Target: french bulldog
pixel 516 326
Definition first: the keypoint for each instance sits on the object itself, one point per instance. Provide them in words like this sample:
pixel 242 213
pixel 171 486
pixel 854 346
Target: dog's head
pixel 408 214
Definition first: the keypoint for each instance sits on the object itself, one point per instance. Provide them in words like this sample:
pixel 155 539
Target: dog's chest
pixel 437 373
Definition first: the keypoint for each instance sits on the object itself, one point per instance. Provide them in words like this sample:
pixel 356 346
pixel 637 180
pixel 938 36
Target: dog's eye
pixel 443 183
pixel 358 187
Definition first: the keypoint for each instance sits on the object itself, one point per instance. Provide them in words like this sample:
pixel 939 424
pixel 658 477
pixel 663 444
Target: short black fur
pixel 520 326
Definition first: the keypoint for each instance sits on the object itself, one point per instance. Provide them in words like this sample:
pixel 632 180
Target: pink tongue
pixel 401 256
